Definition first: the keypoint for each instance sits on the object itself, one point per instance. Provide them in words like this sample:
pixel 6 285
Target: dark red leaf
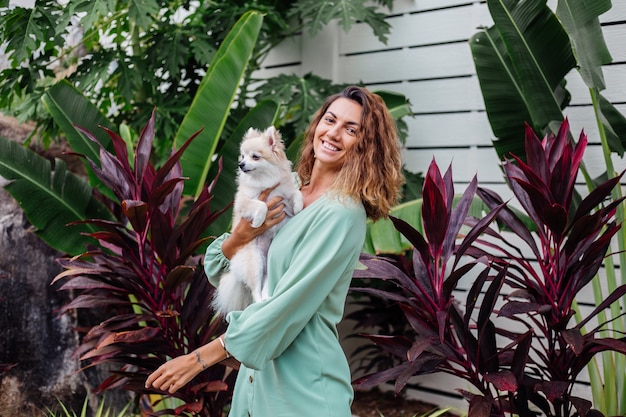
pixel 574 339
pixel 435 213
pixel 418 347
pixel 136 212
pixel 194 407
pixel 479 406
pixel 535 154
pixel 552 389
pixel 130 336
pixel 92 301
pixel 582 405
pixel 372 380
pixel 512 308
pixel 520 357
pixel 457 219
pixel 503 380
pixel 610 299
pixel 168 166
pixel 596 196
pixel 397 345
pixel 210 386
pixel 178 275
pixel 414 237
pixel 144 148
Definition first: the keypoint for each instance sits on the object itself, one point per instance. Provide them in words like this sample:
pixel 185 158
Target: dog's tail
pixel 231 295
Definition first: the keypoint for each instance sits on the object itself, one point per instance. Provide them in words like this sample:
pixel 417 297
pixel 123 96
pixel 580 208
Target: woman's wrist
pixel 200 361
pixel 230 246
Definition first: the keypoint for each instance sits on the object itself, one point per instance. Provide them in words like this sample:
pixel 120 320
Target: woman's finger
pixel 265 193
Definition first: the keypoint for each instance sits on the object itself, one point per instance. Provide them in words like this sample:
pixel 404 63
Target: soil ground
pixel 375 403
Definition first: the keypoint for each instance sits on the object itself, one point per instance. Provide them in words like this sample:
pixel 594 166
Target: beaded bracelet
pixel 200 361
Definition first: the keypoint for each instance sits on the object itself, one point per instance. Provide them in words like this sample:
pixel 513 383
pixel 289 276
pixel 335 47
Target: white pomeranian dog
pixel 262 165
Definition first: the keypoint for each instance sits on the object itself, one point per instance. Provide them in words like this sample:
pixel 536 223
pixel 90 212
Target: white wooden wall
pixel 428 59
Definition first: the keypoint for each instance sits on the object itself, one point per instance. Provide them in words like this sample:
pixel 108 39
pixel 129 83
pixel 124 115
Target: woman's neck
pixel 320 183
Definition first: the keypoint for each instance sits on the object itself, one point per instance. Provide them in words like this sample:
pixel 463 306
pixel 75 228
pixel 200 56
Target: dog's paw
pixel 298 202
pixel 258 216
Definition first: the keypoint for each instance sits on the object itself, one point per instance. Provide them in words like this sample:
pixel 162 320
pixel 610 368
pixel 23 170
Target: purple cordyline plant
pixel 568 244
pixel 426 296
pixel 143 273
pixel 529 363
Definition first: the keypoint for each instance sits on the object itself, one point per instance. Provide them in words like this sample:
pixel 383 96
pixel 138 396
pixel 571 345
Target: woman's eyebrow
pixel 348 123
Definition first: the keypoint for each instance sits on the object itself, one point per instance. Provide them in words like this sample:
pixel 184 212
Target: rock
pixel 39 343
pixel 33 338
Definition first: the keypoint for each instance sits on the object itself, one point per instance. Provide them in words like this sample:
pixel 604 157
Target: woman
pixel 292 362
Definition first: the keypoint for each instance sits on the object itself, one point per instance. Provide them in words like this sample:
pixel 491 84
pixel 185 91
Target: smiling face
pixel 338 130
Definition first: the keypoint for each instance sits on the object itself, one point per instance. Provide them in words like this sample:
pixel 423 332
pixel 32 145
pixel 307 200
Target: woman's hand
pixel 243 232
pixel 175 373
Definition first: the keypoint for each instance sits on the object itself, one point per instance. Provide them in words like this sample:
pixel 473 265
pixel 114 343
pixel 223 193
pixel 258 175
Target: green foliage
pixel 212 103
pixel 521 63
pixel 102 411
pixel 130 57
pixel 51 197
pixel 579 19
pixel 318 14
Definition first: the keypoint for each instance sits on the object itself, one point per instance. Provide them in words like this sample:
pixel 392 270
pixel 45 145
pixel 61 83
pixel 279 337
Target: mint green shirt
pixel 292 362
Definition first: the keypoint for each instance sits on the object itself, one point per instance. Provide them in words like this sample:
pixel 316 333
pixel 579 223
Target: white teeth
pixel 329 146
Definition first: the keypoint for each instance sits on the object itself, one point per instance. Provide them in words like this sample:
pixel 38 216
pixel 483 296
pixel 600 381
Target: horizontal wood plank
pixel 438 61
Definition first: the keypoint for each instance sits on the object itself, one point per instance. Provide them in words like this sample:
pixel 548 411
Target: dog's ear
pixel 275 140
pixel 251 133
pixel 271 132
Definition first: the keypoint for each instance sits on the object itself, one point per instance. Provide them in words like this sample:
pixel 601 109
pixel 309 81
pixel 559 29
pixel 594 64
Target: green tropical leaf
pixel 141 11
pixel 521 63
pixel 50 198
pixel 580 19
pixel 614 124
pixel 399 106
pixel 260 117
pixel 316 14
pixel 70 107
pixel 92 9
pixel 212 103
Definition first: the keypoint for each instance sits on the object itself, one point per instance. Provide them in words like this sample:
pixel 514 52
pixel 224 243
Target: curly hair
pixel 372 172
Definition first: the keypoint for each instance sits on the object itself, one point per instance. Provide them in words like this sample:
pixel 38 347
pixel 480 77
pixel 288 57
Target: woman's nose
pixel 333 132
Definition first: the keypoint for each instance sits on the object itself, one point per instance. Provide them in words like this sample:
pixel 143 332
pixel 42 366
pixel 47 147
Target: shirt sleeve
pixel 327 252
pixel 215 263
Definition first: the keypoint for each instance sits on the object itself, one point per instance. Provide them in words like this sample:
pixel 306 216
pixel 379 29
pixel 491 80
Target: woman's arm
pixel 174 374
pixel 243 232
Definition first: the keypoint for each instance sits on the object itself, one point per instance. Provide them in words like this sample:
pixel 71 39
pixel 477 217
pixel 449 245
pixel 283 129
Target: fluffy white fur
pixel 262 164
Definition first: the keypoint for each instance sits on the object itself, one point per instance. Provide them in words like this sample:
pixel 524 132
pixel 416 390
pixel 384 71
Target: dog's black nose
pixel 242 167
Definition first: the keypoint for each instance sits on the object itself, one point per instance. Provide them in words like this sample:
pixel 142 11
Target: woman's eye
pixel 351 131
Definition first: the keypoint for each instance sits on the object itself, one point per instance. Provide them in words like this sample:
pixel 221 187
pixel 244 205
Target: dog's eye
pixel 256 157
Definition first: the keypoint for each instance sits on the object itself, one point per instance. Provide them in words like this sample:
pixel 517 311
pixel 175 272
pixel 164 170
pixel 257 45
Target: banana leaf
pixel 521 63
pixel 614 124
pixel 69 107
pixel 580 20
pixel 51 198
pixel 214 98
